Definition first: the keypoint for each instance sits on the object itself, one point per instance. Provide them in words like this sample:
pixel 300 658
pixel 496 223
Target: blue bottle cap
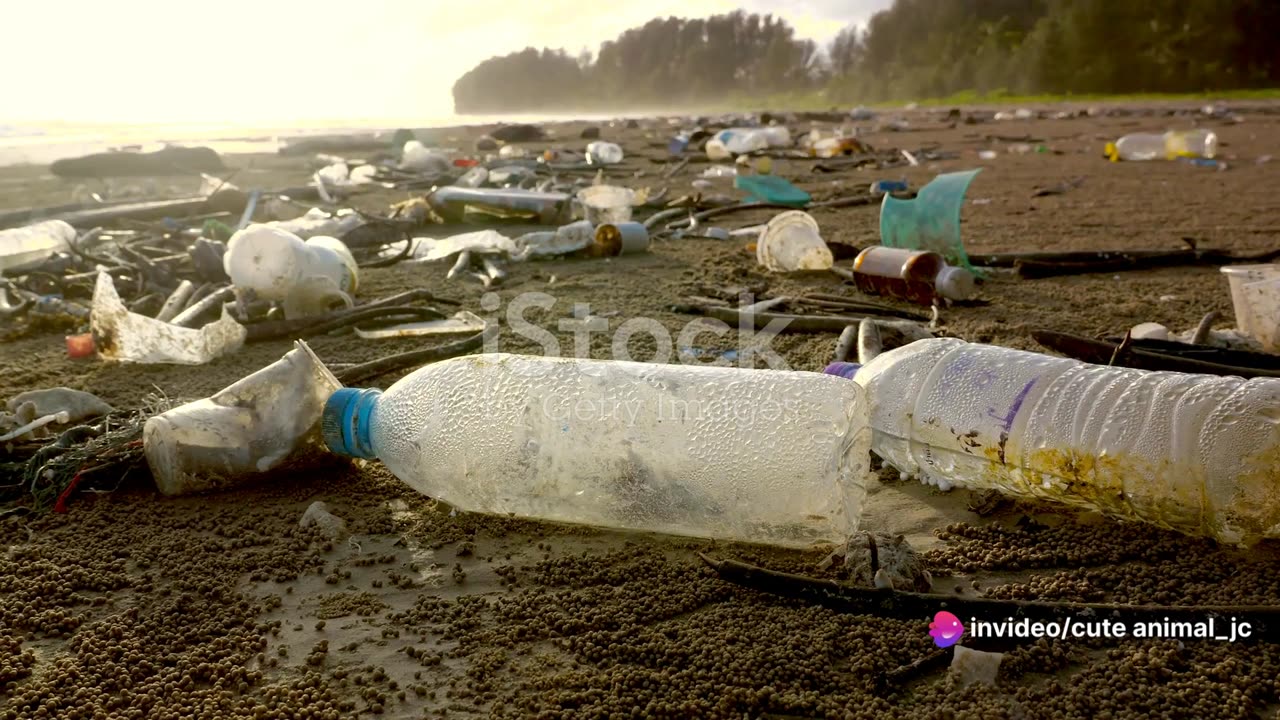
pixel 345 422
pixel 843 369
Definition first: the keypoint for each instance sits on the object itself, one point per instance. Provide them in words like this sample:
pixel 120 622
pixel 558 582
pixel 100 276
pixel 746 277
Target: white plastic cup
pixel 1238 276
pixel 791 241
pixel 607 203
pixel 1263 300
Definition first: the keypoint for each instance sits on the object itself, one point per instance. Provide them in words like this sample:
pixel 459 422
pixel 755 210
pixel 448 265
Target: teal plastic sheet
pixel 931 220
pixel 772 189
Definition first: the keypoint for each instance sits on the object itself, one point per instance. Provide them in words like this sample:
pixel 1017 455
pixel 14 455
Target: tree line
pixel 915 49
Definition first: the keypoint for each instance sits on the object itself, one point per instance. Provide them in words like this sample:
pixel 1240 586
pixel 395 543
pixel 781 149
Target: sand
pixel 131 605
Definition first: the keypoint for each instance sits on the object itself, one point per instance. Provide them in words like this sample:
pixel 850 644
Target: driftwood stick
pixel 1263 621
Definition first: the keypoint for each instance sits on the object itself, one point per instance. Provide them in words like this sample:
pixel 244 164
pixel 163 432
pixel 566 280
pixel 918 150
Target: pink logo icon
pixel 945 629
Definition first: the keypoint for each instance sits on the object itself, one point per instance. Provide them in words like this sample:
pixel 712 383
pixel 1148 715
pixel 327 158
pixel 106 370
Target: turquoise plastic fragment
pixel 772 189
pixel 930 221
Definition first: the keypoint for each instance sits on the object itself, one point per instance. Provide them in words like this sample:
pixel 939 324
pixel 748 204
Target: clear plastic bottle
pixel 26 247
pixel 738 141
pixel 763 456
pixel 917 276
pixel 1167 146
pixel 1195 453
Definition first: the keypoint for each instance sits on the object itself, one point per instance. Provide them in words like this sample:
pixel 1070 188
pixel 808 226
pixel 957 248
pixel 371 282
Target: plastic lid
pixel 955 283
pixel 843 369
pixel 345 422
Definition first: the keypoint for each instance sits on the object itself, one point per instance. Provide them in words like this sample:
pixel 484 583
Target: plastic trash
pixel 971 666
pixel 318 515
pixel 1238 278
pixel 306 278
pixel 777 135
pixel 473 178
pixel 931 220
pixel 453 204
pixel 720 171
pixel 613 239
pixel 917 276
pixel 417 158
pixel 772 189
pixel 510 175
pixel 124 336
pixel 607 203
pixel 603 153
pixel 1194 453
pixel 27 247
pixel 738 141
pixel 883 187
pixel 462 323
pixel 76 404
pixel 835 146
pixel 318 222
pixel 512 151
pixel 566 240
pixel 481 241
pixel 792 241
pixel 763 456
pixel 1174 144
pixel 262 422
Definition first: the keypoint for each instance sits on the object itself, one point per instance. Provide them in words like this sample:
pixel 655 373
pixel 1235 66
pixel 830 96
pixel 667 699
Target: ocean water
pixel 41 144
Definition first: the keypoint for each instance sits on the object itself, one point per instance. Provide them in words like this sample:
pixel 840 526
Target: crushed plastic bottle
pixel 764 456
pixel 1168 146
pixel 604 153
pixel 26 247
pixel 1194 453
pixel 917 276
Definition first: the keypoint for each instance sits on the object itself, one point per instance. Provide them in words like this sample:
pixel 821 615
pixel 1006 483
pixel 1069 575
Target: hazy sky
pixel 255 62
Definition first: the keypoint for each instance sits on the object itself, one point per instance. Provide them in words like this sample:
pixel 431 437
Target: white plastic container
pixel 603 153
pixel 751 455
pixel 307 278
pixel 607 203
pixel 1249 317
pixel 791 241
pixel 26 247
pixel 1196 453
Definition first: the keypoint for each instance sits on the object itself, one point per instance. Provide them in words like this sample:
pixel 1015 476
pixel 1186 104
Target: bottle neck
pixel 346 421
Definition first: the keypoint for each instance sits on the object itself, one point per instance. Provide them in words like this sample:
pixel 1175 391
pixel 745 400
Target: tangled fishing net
pixel 94 458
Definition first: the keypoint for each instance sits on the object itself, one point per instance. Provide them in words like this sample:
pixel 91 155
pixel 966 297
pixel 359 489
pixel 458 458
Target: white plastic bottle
pixel 1196 453
pixel 763 456
pixel 307 278
pixel 25 247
